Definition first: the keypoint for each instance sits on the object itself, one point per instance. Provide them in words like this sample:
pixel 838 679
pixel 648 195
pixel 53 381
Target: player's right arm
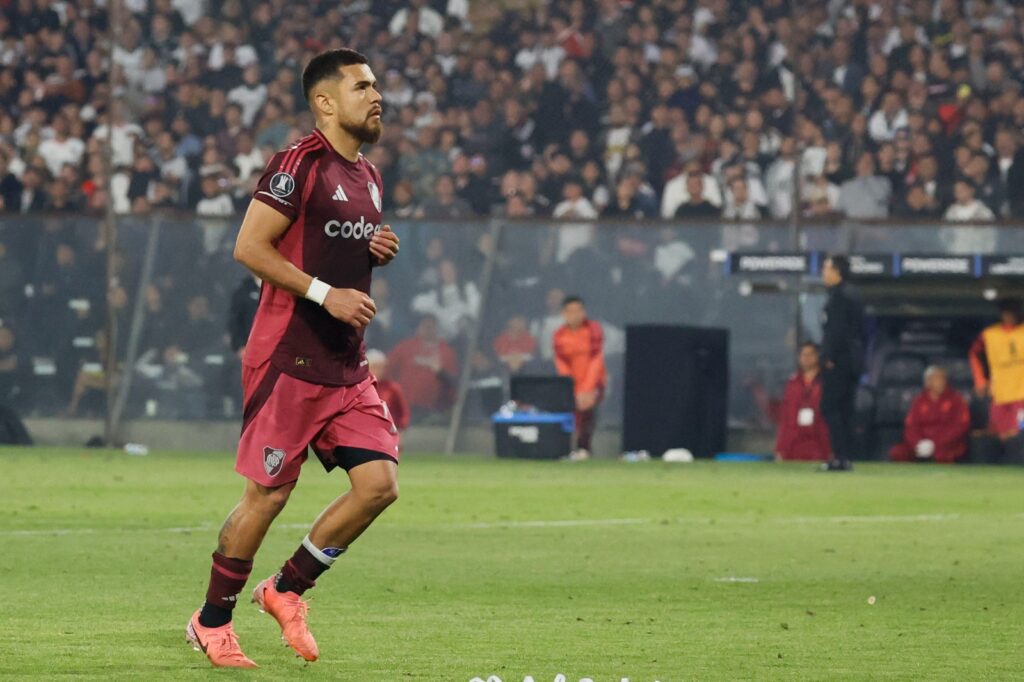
pixel 255 248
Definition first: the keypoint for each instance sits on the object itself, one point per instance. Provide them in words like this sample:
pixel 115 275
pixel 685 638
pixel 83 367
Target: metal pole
pixel 474 341
pixel 110 229
pixel 795 216
pixel 138 319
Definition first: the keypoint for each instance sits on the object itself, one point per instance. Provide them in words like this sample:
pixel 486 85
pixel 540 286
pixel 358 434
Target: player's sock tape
pixel 327 555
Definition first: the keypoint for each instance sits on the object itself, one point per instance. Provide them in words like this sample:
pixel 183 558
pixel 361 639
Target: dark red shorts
pixel 1005 419
pixel 345 425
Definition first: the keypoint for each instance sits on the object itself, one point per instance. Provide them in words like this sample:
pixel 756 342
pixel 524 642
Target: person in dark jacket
pixel 842 355
pixel 244 301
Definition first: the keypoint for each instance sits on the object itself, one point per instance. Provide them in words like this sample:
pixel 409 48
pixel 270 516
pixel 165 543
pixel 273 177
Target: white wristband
pixel 317 292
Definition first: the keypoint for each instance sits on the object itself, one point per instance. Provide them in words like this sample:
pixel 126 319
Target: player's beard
pixel 367 132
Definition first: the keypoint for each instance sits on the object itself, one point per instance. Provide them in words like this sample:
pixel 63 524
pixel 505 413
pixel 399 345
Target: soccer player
pixel 997 362
pixel 579 353
pixel 312 234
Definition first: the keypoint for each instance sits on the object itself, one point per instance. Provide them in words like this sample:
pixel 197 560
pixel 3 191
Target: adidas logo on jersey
pixel 339 194
pixel 349 230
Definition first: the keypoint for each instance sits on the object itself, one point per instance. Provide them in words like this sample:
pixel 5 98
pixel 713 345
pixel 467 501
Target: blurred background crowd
pixel 562 110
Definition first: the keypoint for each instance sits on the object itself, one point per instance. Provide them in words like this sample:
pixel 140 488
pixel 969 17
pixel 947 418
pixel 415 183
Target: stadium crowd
pixel 561 110
pixel 676 108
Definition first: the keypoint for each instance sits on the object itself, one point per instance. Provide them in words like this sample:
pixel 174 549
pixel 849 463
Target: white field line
pixel 870 518
pixel 92 531
pixel 567 523
pixel 556 523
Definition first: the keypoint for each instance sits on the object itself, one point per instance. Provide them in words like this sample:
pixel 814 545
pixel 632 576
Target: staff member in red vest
pixel 997 361
pixel 803 434
pixel 936 426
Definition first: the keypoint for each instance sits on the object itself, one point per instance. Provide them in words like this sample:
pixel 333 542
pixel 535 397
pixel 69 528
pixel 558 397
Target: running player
pixel 312 234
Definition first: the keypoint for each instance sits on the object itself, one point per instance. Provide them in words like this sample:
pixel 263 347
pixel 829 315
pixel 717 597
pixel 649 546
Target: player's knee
pixel 270 500
pixel 380 494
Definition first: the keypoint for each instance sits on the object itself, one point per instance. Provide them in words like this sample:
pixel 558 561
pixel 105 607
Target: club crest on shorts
pixel 282 184
pixel 273 461
pixel 374 194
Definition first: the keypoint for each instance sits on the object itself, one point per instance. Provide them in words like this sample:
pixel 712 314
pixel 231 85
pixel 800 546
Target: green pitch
pixel 601 569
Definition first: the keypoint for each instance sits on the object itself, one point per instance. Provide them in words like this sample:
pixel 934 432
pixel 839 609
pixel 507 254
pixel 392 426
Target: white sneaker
pixel 579 455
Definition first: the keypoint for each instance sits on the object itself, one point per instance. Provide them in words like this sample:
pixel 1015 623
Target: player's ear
pixel 323 103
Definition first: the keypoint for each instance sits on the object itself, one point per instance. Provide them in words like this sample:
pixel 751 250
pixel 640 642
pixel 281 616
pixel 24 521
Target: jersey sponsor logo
pixel 282 184
pixel 361 229
pixel 374 194
pixel 273 461
pixel 339 194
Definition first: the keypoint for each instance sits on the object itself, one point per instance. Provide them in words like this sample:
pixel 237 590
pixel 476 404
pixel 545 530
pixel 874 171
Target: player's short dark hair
pixel 326 64
pixel 810 344
pixel 842 264
pixel 571 299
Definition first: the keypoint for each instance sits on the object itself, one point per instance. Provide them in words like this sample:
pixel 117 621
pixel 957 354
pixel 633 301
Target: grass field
pixel 484 567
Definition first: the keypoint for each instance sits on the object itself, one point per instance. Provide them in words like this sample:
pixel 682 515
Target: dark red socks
pixel 227 579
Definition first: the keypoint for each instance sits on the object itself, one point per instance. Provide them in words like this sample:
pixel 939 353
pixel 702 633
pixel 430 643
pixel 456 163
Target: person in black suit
pixel 842 351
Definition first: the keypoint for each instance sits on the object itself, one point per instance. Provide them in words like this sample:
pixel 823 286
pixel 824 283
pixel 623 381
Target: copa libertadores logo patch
pixel 273 461
pixel 282 184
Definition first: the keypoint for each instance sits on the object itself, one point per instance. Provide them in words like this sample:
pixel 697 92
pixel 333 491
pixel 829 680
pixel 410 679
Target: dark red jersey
pixel 335 208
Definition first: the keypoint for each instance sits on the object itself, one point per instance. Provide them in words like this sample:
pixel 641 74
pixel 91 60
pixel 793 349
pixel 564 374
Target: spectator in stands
pixel 574 204
pixel 917 204
pixel 967 208
pixel 426 368
pixel 935 429
pixel 1010 171
pixel 866 196
pixel 249 95
pixel 200 331
pixel 59 148
pixel 389 391
pixel 12 282
pixel 803 434
pixel 91 378
pixel 694 189
pixel 999 370
pixel 33 192
pixel 244 301
pixel 515 347
pixel 889 118
pixel 738 203
pixel 11 366
pixel 544 327
pixel 698 203
pixel 579 354
pixel 454 302
pixel 445 203
pixel 215 201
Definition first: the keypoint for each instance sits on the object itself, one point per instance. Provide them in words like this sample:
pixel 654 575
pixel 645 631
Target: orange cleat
pixel 219 644
pixel 289 611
